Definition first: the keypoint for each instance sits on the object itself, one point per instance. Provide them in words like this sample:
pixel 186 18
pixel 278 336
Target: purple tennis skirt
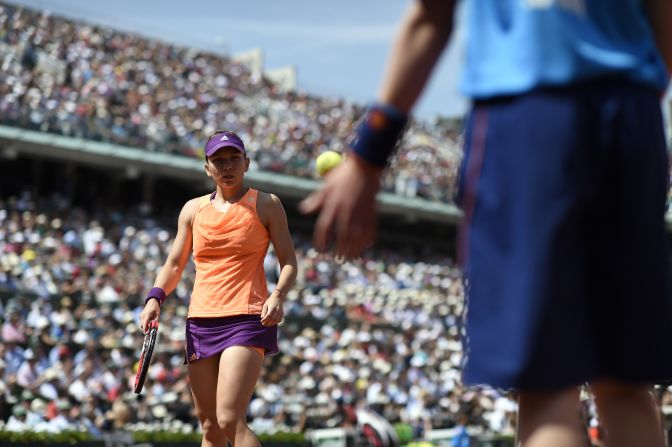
pixel 206 337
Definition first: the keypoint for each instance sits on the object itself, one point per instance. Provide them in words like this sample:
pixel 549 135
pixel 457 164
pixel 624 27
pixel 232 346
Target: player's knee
pixel 227 420
pixel 211 430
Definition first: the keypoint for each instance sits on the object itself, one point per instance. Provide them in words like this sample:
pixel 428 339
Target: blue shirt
pixel 461 438
pixel 514 46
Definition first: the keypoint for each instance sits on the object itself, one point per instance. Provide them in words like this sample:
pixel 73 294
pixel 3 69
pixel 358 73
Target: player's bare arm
pixel 275 219
pixel 178 256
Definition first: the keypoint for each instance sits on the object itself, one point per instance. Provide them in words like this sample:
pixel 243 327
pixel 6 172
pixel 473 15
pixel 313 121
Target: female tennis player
pixel 232 320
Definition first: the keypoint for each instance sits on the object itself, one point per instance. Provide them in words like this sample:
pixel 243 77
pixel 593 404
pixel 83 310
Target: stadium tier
pixel 75 79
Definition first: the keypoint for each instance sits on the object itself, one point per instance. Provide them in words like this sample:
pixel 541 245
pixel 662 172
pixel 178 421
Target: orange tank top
pixel 229 249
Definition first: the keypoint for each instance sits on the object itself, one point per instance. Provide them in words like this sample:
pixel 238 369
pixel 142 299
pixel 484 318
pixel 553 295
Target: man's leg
pixel 550 419
pixel 629 414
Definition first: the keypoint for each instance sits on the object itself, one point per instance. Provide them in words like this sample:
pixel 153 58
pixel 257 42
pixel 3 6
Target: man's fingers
pixel 356 245
pixel 317 202
pixel 324 225
pixel 362 237
pixel 350 234
pixel 343 229
pixel 313 202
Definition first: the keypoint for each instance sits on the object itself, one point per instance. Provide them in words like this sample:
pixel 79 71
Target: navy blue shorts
pixel 564 246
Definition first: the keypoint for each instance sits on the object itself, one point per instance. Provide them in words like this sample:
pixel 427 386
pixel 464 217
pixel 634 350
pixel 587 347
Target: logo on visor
pixel 224 138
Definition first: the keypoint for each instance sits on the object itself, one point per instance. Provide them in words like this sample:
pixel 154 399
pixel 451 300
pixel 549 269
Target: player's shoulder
pixel 267 199
pixel 268 205
pixel 195 202
pixel 191 206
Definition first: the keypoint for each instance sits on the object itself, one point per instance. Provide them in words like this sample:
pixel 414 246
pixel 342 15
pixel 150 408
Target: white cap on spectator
pixel 159 411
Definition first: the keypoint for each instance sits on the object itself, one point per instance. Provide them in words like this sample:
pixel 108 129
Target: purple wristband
pixel 379 133
pixel 156 293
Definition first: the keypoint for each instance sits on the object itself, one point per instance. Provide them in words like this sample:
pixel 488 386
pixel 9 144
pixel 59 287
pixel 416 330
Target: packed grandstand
pixel 381 333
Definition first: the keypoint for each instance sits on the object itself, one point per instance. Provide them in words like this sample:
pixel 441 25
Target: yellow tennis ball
pixel 327 161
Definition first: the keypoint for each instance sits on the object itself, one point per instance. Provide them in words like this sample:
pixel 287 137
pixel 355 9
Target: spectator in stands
pixel 27 375
pixel 13 331
pixel 18 420
pixel 461 438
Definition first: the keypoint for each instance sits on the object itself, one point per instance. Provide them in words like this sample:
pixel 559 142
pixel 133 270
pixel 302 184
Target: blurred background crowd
pixel 92 82
pixel 382 332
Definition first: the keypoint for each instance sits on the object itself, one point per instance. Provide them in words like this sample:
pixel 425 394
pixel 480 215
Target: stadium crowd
pixel 92 82
pixel 381 333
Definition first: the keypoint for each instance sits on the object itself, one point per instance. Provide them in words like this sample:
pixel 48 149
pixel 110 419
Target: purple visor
pixel 223 139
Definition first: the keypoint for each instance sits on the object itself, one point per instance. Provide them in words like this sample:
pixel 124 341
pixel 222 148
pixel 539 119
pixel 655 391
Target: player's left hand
pixel 347 207
pixel 272 311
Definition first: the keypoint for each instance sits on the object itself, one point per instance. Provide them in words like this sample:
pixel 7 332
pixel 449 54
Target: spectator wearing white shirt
pixel 27 375
pixel 17 421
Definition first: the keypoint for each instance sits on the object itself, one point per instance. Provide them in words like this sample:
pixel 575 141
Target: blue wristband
pixel 379 133
pixel 157 293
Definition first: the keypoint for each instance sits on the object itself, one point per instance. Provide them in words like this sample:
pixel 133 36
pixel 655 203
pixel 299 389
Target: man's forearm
pixel 418 46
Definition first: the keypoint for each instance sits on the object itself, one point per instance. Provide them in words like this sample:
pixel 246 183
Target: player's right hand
pixel 151 312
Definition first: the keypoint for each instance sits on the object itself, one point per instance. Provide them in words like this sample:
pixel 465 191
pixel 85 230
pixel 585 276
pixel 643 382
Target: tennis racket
pixel 146 355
